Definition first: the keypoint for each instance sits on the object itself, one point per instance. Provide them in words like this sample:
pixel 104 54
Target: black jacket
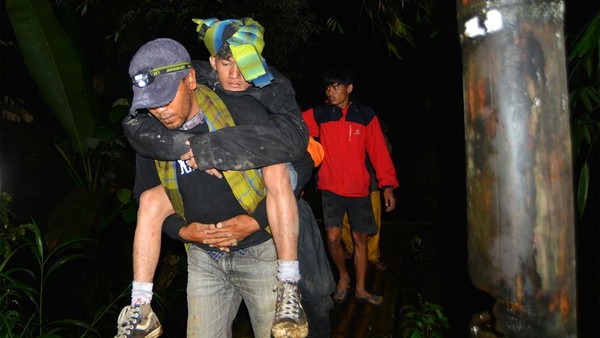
pixel 243 147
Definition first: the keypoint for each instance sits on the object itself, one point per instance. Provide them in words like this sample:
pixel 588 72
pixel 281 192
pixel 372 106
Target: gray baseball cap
pixel 156 70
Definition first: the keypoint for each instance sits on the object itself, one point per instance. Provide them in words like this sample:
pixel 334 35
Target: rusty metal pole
pixel 520 212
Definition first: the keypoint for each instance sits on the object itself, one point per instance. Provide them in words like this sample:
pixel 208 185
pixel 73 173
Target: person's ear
pixel 349 88
pixel 213 62
pixel 190 79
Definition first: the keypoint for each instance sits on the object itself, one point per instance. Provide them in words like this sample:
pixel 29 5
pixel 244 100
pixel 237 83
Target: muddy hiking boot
pixel 290 319
pixel 138 322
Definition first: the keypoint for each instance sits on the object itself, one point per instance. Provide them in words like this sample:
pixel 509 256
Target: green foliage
pixel 426 320
pixel 55 66
pixel 94 156
pixel 392 22
pixel 289 25
pixel 10 235
pixel 584 81
pixel 22 311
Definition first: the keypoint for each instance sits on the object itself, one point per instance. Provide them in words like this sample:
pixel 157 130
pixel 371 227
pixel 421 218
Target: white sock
pixel 141 293
pixel 288 271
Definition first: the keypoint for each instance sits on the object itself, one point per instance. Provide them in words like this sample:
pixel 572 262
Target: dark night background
pixel 418 97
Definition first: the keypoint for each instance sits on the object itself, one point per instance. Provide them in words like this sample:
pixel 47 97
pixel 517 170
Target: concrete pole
pixel 520 209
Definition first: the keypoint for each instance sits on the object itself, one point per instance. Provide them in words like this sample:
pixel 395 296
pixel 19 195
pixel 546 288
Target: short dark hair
pixel 224 53
pixel 338 75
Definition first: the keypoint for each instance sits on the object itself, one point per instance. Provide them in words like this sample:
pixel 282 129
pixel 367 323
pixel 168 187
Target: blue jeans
pixel 216 289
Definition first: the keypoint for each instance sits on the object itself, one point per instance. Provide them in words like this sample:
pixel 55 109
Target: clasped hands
pixel 224 234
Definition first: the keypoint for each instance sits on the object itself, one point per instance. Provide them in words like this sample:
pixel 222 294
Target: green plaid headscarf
pixel 245 38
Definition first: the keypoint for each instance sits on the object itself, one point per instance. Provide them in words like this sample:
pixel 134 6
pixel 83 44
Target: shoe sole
pixel 285 333
pixel 155 334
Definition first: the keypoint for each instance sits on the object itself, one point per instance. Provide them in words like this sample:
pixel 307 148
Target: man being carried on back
pixel 239 152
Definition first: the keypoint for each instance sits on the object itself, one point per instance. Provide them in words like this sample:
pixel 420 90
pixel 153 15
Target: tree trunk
pixel 520 211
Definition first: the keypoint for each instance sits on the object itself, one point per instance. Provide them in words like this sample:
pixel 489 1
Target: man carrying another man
pixel 212 204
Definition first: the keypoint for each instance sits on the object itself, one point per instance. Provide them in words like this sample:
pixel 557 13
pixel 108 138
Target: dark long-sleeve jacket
pixel 242 147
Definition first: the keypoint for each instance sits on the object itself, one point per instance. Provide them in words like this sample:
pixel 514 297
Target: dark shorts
pixel 359 209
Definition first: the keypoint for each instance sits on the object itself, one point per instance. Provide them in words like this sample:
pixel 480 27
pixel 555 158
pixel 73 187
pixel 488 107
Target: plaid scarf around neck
pixel 247 185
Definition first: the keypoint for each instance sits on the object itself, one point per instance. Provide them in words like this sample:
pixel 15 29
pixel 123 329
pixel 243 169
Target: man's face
pixel 229 74
pixel 182 108
pixel 339 94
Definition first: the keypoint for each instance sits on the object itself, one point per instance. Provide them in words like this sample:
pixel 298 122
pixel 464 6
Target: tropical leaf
pixel 584 81
pixel 582 188
pixel 54 66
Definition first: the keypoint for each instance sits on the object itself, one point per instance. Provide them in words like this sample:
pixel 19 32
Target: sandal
pixel 381 266
pixel 340 297
pixel 371 299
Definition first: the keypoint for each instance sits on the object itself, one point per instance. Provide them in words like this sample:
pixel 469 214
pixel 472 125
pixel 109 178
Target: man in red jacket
pixel 348 132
